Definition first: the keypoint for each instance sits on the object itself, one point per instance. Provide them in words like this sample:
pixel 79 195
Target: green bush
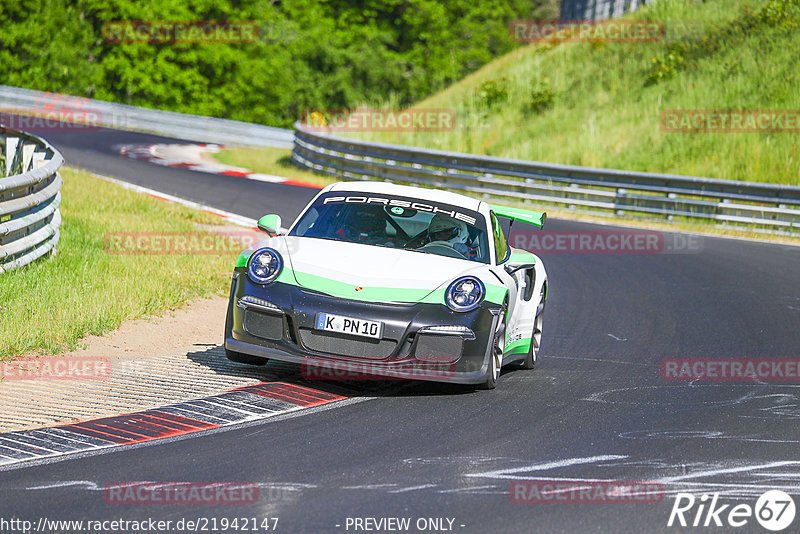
pixel 541 99
pixel 782 14
pixel 491 93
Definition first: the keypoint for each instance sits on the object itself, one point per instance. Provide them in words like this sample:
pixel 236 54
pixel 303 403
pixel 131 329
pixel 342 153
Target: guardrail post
pixel 10 154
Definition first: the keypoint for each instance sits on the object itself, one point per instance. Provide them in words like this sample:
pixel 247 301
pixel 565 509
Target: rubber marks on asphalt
pixel 240 405
pixel 197 157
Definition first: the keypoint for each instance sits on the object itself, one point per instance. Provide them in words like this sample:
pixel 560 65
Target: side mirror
pixel 511 269
pixel 270 224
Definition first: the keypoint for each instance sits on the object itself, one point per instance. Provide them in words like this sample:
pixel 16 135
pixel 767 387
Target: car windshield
pixel 397 222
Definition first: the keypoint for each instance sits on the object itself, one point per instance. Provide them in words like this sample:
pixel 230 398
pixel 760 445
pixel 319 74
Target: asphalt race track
pixel 98 151
pixel 595 408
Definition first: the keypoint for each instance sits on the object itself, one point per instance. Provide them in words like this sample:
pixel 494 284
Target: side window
pixel 307 223
pixel 500 244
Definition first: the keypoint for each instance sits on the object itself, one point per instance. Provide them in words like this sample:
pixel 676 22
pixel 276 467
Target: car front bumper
pixel 277 322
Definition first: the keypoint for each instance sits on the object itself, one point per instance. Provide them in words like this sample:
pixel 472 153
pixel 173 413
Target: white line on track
pixel 514 473
pixel 413 488
pixel 84 484
pixel 231 217
pixel 717 472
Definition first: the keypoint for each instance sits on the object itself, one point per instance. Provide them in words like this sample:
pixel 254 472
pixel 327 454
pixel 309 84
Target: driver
pixel 445 229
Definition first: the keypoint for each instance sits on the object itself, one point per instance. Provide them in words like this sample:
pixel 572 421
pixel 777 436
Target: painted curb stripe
pixel 226 215
pixel 149 153
pixel 302 396
pixel 239 405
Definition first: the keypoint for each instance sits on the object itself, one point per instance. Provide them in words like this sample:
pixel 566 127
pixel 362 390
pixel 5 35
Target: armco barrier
pixel 29 198
pixel 598 9
pixel 124 117
pixel 600 191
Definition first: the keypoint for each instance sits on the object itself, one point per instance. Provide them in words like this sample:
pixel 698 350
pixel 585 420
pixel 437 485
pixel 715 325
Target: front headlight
pixel 265 266
pixel 465 294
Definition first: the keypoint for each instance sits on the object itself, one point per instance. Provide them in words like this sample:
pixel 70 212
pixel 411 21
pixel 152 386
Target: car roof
pixel 385 188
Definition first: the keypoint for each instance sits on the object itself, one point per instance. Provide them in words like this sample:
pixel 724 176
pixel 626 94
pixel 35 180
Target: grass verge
pixel 49 306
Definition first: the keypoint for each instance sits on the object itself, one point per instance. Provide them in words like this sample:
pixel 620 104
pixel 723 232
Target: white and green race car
pixel 400 281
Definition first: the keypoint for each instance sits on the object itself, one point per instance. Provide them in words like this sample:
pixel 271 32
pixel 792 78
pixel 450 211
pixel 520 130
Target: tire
pixel 536 338
pixel 495 354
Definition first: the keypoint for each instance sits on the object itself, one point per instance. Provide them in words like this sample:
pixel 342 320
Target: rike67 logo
pixel 774 510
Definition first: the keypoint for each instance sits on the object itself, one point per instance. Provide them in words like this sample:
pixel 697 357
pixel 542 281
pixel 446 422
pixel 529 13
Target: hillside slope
pixel 600 104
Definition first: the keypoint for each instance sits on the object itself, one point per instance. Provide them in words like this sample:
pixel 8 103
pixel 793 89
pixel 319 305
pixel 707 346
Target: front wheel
pixel 496 354
pixel 536 339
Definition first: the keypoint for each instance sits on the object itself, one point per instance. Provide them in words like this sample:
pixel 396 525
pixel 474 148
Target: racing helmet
pixel 445 228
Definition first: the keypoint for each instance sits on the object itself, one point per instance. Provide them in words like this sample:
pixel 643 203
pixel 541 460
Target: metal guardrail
pixel 124 117
pixel 527 183
pixel 29 198
pixel 598 9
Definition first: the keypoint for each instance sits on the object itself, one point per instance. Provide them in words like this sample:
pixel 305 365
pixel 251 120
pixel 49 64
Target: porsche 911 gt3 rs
pixel 403 281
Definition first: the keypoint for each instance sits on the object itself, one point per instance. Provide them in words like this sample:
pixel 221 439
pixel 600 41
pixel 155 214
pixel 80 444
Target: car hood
pixel 371 273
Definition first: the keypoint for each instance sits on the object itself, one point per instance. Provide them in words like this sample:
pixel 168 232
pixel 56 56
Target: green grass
pixel 599 104
pixel 275 161
pixel 48 306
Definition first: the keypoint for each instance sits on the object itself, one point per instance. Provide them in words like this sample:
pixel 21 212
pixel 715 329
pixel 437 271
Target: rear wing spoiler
pixel 535 218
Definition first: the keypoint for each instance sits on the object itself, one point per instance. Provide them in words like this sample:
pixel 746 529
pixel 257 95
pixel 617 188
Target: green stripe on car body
pixel 338 289
pixel 334 288
pixel 496 294
pixel 244 256
pixel 520 346
pixel 522 256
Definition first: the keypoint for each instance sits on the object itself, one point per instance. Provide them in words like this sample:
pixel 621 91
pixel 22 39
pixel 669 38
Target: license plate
pixel 349 325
